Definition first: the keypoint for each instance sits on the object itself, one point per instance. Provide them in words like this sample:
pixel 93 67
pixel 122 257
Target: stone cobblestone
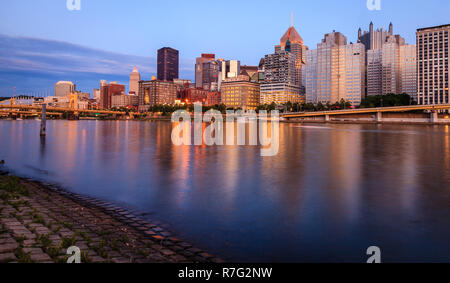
pixel 38 223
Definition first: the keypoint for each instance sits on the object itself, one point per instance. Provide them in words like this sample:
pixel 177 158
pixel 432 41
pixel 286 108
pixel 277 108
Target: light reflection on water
pixel 331 192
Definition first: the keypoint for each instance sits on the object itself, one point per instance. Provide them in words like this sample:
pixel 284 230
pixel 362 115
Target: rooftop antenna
pixel 292 19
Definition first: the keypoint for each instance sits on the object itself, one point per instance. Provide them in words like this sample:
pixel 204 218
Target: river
pixel 332 191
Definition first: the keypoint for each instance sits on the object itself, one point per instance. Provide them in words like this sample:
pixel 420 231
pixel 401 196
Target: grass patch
pixel 22 257
pixel 11 188
pixel 68 241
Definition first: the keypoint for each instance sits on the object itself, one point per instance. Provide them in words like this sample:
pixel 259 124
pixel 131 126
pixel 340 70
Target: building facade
pixel 408 65
pixel 199 68
pixel 280 93
pixel 240 92
pixel 107 91
pixel 135 77
pixel 374 39
pixel 64 88
pixel 432 65
pixel 292 42
pixel 310 76
pixel 156 92
pixel 335 71
pixel 280 68
pixel 374 72
pixel 124 100
pixel 168 61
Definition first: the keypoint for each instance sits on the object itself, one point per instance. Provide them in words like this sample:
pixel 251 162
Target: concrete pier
pixel 379 117
pixel 434 118
pixel 43 120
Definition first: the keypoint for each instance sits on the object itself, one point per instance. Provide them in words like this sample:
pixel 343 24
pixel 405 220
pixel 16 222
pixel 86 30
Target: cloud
pixel 33 65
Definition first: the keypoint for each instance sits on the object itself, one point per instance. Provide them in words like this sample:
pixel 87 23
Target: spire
pixel 292 19
pixel 391 29
pixel 135 70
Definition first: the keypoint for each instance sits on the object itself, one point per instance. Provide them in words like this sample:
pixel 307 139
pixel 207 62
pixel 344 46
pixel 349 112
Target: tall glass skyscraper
pixel 168 60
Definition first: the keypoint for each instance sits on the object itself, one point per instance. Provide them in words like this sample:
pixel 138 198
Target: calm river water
pixel 330 193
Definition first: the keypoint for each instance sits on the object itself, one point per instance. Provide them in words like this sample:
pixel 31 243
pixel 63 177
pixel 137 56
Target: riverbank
pixel 362 122
pixel 39 222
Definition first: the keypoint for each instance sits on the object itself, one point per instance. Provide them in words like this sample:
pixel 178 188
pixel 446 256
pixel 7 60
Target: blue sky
pixel 40 37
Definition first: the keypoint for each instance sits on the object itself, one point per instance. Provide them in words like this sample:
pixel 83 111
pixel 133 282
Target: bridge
pixel 33 110
pixel 367 113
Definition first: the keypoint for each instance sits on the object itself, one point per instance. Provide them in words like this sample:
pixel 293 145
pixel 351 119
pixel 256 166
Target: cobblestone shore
pixel 38 223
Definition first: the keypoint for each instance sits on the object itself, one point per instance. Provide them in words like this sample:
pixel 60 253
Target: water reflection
pixel 331 191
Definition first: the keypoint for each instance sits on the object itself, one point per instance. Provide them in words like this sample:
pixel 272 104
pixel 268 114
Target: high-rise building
pixel 408 65
pixel 156 92
pixel 355 72
pixel 389 61
pixel 310 76
pixel 330 68
pixel 96 94
pixel 230 69
pixel 210 75
pixel 390 65
pixel 168 60
pixel 292 42
pixel 135 77
pixel 374 39
pixel 281 81
pixel 432 64
pixel 335 71
pixel 374 72
pixel 199 68
pixel 64 88
pixel 280 67
pixel 107 91
pixel 240 92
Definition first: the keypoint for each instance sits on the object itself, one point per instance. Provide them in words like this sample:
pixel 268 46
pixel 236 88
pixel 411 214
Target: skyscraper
pixel 64 88
pixel 292 42
pixel 280 67
pixel 388 62
pixel 432 64
pixel 374 39
pixel 335 71
pixel 210 75
pixel 199 68
pixel 135 77
pixel 168 60
pixel 281 82
pixel 408 65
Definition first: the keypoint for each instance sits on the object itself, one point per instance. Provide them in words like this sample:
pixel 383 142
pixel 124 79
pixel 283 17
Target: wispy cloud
pixel 34 65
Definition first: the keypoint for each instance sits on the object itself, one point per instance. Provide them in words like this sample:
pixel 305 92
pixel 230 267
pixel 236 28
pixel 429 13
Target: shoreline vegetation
pixel 164 112
pixel 39 222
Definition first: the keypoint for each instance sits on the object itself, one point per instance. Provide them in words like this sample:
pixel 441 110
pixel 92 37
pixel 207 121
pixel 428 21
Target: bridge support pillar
pixel 327 118
pixel 434 118
pixel 379 117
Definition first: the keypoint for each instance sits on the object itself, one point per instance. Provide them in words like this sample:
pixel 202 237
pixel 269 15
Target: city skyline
pixel 99 62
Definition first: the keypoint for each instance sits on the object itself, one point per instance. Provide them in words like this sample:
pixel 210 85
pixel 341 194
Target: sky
pixel 42 42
